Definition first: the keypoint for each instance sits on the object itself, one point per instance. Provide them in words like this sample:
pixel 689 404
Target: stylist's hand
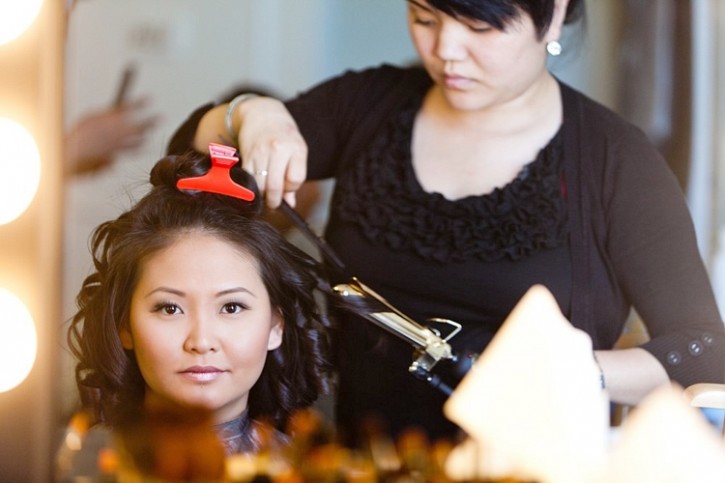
pixel 272 149
pixel 93 143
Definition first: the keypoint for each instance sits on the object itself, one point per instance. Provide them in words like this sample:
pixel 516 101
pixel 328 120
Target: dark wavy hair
pixel 108 378
pixel 499 13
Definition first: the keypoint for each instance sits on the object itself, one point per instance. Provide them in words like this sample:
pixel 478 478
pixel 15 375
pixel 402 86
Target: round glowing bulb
pixel 20 165
pixel 16 17
pixel 18 341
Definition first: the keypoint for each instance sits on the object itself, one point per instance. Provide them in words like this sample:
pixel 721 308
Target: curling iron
pixel 430 347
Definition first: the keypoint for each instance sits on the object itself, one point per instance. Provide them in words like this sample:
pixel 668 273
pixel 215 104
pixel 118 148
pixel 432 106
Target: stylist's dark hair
pixel 499 13
pixel 107 375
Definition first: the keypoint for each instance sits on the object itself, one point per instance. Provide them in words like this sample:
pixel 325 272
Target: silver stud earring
pixel 553 48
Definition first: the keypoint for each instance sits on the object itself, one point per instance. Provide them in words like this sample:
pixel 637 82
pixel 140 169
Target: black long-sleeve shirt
pixel 598 218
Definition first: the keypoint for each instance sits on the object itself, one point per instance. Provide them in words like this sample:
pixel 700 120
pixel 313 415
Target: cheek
pixel 153 347
pixel 422 42
pixel 157 362
pixel 246 360
pixel 250 350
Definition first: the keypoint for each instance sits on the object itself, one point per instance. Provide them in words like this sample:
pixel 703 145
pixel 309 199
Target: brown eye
pixel 167 309
pixel 233 308
pixel 171 309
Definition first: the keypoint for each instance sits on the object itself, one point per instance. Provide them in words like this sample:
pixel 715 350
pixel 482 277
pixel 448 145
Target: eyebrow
pixel 424 7
pixel 180 293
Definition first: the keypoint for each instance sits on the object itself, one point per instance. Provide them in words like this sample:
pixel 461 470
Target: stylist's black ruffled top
pixel 522 218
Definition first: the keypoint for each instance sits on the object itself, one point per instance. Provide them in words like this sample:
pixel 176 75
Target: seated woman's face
pixel 201 324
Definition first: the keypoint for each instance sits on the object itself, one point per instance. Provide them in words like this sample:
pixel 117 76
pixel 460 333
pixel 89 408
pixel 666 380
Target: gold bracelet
pixel 229 117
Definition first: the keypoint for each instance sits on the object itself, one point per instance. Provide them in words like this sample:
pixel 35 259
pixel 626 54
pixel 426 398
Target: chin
pixel 459 103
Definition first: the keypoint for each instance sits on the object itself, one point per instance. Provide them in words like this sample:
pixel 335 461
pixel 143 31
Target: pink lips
pixel 202 373
pixel 456 82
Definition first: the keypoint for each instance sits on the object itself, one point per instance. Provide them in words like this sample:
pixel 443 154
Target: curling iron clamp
pixel 430 347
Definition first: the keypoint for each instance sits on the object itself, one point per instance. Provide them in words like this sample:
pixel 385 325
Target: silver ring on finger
pixel 261 172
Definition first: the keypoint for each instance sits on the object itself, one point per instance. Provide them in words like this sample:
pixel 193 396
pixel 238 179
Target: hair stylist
pixel 463 183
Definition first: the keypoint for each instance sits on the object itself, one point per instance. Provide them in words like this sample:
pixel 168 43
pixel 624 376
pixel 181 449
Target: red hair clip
pixel 218 179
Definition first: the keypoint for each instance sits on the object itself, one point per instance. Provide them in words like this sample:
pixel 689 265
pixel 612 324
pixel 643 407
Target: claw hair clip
pixel 218 179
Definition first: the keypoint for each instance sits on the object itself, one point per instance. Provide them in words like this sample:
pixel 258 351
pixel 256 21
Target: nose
pixel 450 45
pixel 200 336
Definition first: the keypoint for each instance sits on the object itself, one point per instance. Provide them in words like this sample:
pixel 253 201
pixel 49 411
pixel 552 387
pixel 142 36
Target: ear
pixel 276 332
pixel 126 338
pixel 557 21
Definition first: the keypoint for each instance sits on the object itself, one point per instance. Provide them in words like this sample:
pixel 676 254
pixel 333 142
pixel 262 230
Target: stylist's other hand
pixel 93 142
pixel 272 149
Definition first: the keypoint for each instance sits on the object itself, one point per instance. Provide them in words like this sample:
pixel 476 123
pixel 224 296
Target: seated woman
pixel 197 306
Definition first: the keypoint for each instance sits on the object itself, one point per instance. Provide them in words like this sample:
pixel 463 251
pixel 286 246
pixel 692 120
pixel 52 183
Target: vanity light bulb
pixel 16 16
pixel 20 165
pixel 18 341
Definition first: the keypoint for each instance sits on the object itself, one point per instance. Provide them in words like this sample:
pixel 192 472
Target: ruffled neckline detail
pixel 381 195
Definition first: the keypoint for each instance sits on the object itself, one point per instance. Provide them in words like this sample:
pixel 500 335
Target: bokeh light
pixel 16 16
pixel 18 341
pixel 20 165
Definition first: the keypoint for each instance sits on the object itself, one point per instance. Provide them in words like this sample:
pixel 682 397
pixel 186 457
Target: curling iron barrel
pixel 431 345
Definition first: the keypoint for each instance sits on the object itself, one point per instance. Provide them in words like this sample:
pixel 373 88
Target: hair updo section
pixel 169 170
